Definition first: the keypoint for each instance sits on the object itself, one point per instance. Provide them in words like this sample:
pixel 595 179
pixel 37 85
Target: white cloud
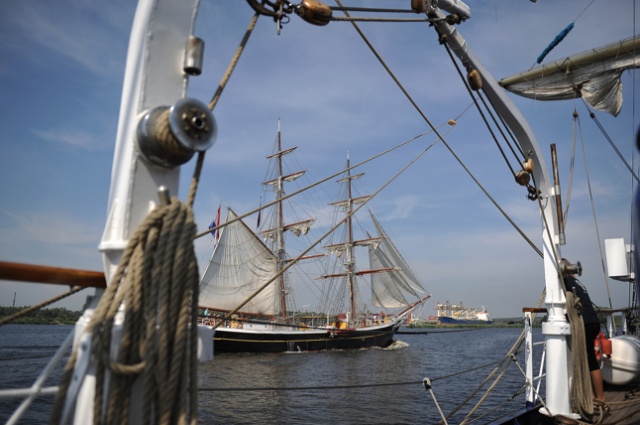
pixel 71 139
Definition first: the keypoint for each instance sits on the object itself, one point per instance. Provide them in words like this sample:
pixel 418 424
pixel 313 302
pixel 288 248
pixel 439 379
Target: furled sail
pixel 239 265
pixel 593 75
pixel 388 289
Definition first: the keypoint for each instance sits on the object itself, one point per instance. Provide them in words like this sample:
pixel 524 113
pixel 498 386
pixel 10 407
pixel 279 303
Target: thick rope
pixel 156 287
pixel 581 394
pixel 214 101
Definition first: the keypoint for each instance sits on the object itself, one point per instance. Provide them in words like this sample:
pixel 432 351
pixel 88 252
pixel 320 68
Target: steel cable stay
pixel 440 137
pixel 339 387
pixel 447 145
pixel 482 115
pixel 318 13
pixel 312 185
pixel 501 365
pixel 574 127
pixel 613 145
pixel 595 219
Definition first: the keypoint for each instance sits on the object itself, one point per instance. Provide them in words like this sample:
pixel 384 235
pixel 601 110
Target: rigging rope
pixel 581 395
pixel 595 220
pixel 484 118
pixel 156 284
pixel 615 148
pixel 336 174
pixel 424 117
pixel 575 123
pixel 514 348
pixel 489 376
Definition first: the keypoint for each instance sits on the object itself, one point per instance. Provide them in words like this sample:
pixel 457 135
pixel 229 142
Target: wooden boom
pixel 56 275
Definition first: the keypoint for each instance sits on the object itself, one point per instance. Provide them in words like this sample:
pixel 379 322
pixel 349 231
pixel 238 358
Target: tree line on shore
pixel 43 316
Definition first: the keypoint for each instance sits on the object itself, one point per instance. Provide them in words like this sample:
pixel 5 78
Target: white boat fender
pixel 623 366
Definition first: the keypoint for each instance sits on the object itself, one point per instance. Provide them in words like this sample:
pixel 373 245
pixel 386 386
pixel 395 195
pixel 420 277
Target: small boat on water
pixel 247 276
pixel 459 314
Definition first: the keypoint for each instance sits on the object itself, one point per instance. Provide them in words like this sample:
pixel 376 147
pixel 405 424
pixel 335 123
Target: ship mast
pixel 347 247
pixel 277 233
pixel 350 257
pixel 280 252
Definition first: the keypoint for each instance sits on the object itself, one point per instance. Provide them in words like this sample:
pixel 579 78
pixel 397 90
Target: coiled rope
pixel 157 283
pixel 581 396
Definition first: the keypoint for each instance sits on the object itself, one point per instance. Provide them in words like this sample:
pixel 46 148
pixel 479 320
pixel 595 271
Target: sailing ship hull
pixel 451 321
pixel 260 340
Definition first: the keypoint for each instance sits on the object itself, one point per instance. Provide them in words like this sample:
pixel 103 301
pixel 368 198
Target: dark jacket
pixel 587 311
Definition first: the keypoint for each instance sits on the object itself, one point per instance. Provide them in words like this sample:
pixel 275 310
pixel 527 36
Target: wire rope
pixel 595 219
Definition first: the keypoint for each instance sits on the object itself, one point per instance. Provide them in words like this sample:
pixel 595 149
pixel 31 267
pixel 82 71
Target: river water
pixel 375 386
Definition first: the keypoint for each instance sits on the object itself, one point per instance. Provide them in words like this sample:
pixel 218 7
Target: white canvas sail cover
pixel 298 228
pixel 239 265
pixel 388 289
pixel 593 75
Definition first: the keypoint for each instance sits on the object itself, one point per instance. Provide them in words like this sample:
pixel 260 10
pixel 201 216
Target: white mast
pixel 162 54
pixel 556 329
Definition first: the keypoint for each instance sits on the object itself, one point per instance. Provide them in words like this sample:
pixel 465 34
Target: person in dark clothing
pixel 591 328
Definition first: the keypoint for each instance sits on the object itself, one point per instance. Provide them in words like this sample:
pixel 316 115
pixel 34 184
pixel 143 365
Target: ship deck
pixel 624 402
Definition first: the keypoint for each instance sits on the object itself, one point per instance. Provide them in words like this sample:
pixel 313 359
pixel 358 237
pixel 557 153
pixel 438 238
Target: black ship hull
pixel 271 340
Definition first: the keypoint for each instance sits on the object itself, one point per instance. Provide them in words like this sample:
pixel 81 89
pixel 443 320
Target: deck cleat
pixel 169 136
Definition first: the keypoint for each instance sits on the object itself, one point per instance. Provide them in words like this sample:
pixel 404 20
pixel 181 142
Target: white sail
pixel 239 265
pixel 388 288
pixel 593 75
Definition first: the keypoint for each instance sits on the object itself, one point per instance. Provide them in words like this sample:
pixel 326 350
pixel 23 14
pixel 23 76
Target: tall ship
pixel 459 314
pixel 248 295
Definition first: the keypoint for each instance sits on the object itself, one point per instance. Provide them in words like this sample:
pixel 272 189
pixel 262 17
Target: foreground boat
pixel 248 277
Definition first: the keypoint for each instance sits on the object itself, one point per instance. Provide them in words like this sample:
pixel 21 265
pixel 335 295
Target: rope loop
pixel 581 395
pixel 152 301
pixel 427 383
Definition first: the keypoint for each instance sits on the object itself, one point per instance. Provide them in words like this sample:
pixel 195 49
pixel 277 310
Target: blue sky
pixel 60 86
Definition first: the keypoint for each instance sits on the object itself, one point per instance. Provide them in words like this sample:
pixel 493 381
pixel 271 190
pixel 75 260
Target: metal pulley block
pixel 314 12
pixel 169 136
pixel 422 6
pixel 567 268
pixel 475 79
pixel 523 178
